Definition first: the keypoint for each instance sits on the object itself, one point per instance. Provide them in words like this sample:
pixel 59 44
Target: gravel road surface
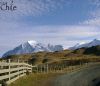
pixel 89 76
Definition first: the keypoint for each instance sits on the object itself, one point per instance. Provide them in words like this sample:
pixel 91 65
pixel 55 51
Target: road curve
pixel 89 76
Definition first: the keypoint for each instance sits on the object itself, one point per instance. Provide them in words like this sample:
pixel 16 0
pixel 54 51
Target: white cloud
pixel 32 8
pixel 95 2
pixel 51 33
pixel 93 22
pixel 94 15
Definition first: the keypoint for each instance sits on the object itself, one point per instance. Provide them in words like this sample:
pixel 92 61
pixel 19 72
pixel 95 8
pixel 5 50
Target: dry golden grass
pixel 52 57
pixel 35 80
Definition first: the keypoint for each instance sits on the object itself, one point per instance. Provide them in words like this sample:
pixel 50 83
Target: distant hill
pixel 41 57
pixel 94 50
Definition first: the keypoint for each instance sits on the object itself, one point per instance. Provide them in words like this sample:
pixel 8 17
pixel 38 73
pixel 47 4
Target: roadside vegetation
pixel 36 80
pixel 56 57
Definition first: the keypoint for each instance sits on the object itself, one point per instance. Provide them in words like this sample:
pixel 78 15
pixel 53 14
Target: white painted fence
pixel 11 71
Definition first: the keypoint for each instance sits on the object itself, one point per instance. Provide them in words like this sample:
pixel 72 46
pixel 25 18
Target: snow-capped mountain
pixel 95 42
pixel 31 47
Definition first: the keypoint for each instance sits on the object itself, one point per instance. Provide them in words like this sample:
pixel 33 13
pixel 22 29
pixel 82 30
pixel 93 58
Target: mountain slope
pixel 95 42
pixel 31 47
pixel 94 50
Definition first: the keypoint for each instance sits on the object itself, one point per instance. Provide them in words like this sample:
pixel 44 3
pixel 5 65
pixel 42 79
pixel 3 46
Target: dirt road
pixel 89 76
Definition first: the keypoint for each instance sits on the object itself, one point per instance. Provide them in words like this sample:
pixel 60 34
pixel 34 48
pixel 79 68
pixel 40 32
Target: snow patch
pixel 32 42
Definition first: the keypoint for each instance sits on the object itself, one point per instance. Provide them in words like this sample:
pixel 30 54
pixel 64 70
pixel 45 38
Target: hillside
pixel 94 50
pixel 40 57
pixel 83 54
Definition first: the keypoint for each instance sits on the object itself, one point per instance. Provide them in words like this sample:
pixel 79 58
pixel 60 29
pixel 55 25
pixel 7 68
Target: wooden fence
pixel 57 68
pixel 61 68
pixel 11 71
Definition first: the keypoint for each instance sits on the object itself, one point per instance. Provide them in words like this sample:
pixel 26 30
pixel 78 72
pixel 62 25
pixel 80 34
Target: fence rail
pixel 60 68
pixel 11 71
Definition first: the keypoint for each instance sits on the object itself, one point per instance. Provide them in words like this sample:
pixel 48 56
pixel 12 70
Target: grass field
pixel 35 80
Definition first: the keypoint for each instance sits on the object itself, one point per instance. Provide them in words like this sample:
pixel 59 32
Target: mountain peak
pixel 32 47
pixel 82 43
pixel 32 42
pixel 95 42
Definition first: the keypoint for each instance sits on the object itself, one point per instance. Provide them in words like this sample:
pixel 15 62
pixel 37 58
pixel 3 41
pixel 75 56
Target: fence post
pixel 47 68
pixel 18 67
pixel 41 68
pixel 44 68
pixel 9 61
pixel 50 70
pixel 23 67
pixel 37 68
pixel 54 68
pixel 31 68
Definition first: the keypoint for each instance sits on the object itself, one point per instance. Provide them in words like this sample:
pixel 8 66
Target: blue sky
pixel 65 22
